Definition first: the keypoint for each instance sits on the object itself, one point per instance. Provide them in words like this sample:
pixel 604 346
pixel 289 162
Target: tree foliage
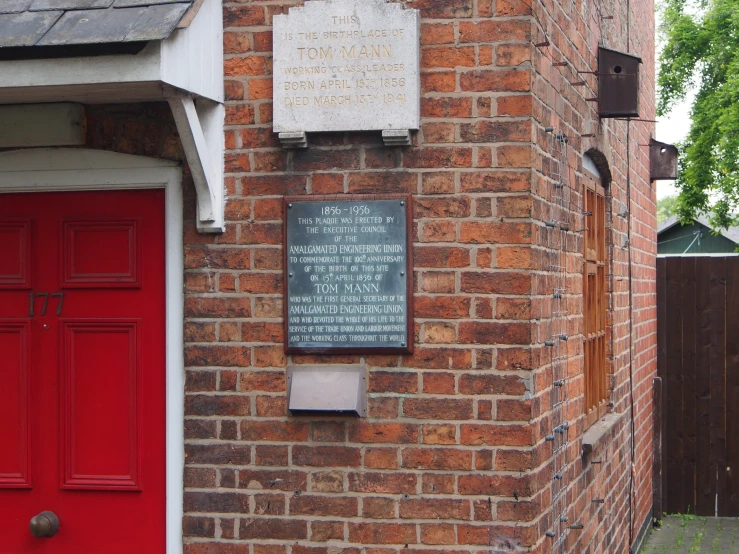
pixel 701 52
pixel 666 207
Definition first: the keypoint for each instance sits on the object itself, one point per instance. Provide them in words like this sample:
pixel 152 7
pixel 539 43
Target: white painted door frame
pixel 76 169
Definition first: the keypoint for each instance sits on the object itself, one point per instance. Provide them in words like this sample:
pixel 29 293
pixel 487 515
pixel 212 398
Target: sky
pixel 672 128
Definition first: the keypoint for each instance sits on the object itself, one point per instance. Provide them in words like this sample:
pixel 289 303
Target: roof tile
pixel 66 22
pixel 130 3
pixel 40 5
pixel 25 29
pixel 157 21
pixel 14 6
pixel 92 26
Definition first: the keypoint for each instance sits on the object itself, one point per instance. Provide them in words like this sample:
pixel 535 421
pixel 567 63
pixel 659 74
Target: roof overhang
pixel 185 69
pixel 731 234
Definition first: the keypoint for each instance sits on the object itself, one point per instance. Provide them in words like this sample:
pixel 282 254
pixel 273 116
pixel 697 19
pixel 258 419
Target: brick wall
pixel 452 456
pixel 574 30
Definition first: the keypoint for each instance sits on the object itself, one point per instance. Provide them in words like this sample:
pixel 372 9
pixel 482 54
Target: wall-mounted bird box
pixel 618 84
pixel 662 160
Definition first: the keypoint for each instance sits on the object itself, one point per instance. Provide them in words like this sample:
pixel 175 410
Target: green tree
pixel 666 207
pixel 701 52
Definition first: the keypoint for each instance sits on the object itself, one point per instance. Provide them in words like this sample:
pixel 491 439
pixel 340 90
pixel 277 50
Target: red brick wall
pixel 574 30
pixel 453 456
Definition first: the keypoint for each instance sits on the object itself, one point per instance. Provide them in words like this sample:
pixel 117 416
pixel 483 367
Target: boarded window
pixel 594 301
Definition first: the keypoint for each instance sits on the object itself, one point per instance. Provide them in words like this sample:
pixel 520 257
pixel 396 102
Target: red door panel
pixel 98 253
pixel 14 456
pixel 15 253
pixel 100 432
pixel 82 337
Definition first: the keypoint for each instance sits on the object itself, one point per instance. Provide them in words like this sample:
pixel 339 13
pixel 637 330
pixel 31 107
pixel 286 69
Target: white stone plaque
pixel 347 65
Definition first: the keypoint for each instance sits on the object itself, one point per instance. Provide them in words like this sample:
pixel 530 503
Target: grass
pixel 691 534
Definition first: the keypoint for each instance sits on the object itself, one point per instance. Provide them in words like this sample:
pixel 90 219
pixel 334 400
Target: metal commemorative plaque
pixel 348 274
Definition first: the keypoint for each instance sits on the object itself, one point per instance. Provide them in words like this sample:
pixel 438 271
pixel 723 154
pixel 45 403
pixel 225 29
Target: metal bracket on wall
pixel 294 140
pixel 201 131
pixel 401 137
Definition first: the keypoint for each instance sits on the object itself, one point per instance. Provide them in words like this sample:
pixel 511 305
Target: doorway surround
pixel 76 169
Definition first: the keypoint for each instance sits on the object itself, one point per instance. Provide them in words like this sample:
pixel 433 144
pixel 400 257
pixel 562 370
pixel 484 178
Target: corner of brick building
pixel 452 456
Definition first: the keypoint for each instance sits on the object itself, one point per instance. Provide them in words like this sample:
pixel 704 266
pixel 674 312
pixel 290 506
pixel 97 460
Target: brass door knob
pixel 46 524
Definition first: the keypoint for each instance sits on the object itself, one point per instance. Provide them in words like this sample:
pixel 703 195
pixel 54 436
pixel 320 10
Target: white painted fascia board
pixel 87 70
pixel 192 58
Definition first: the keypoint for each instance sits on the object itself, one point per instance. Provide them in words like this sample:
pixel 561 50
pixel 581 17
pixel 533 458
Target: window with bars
pixel 595 301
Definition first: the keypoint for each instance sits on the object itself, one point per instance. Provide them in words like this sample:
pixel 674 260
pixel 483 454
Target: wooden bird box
pixel 618 84
pixel 662 160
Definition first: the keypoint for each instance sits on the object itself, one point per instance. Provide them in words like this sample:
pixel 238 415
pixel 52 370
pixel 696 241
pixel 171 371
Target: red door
pixel 82 372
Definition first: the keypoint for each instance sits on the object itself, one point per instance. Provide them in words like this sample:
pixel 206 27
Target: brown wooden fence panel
pixel 698 361
pixel 732 386
pixel 717 306
pixel 705 472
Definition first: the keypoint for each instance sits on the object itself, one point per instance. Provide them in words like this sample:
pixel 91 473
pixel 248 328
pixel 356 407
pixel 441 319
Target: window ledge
pixel 601 432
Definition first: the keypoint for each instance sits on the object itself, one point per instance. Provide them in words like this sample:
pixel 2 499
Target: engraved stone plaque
pixel 348 275
pixel 347 65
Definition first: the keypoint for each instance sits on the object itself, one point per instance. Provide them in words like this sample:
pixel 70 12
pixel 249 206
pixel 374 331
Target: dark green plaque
pixel 348 274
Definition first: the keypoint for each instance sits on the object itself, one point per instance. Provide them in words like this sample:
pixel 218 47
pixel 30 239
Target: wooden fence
pixel 698 363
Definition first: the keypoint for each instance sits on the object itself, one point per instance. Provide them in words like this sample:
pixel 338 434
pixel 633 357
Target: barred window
pixel 594 300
